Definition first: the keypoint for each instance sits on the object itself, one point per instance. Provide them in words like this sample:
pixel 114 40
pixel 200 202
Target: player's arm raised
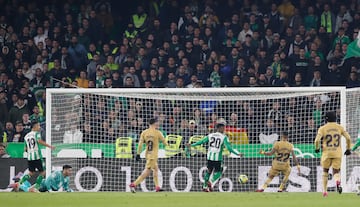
pixel 200 142
pixel 268 153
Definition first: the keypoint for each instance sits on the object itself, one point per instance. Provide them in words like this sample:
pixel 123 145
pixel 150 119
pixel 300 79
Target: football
pixel 243 179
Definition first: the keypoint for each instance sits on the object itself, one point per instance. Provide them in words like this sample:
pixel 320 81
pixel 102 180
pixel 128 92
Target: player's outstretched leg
pixel 267 182
pixel 142 177
pixel 216 176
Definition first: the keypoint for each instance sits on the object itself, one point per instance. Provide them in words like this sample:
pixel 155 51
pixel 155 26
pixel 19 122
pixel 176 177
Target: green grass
pixel 169 199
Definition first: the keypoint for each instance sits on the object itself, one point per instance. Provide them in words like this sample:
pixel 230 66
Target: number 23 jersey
pixel 331 134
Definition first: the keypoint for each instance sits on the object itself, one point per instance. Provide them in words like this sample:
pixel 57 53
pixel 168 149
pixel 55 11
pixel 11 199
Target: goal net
pixel 353 127
pixel 97 131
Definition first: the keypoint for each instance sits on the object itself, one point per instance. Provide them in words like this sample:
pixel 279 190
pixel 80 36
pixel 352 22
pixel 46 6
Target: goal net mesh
pixel 353 127
pixel 97 133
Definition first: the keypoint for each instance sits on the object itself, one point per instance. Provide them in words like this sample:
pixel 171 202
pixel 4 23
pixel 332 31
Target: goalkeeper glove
pixel 137 158
pixel 317 150
pixel 347 152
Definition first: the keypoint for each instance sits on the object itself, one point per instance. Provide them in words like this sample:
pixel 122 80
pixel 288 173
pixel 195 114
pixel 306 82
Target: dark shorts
pixel 214 166
pixel 35 164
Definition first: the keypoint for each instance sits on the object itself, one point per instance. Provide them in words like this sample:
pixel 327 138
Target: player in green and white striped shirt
pixel 217 141
pixel 34 157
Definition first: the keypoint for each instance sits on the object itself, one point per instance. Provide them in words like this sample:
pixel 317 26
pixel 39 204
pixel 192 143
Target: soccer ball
pixel 243 179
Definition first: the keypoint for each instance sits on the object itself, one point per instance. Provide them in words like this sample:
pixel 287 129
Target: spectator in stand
pixel 77 53
pixel 316 79
pixel 301 64
pixel 309 131
pixel 17 111
pixel 37 116
pixel 276 113
pixel 343 14
pixel 215 77
pixel 269 133
pixel 73 135
pixel 299 42
pixel 341 38
pixel 180 82
pixel 236 81
pixel 19 133
pixel 328 20
pixel 334 76
pixel 3 153
pixel 292 126
pixel 283 80
pixel 276 65
pixel 26 123
pixel 353 80
pixel 298 81
pixel 311 20
pixel 9 130
pixel 39 81
pixel 245 31
pixel 4 111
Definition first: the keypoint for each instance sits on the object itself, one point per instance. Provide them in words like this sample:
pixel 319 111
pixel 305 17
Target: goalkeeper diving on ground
pixel 58 181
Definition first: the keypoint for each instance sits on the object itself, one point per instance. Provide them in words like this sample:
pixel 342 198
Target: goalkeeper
pixel 217 141
pixel 57 181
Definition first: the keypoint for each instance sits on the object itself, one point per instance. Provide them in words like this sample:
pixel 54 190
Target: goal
pixel 97 131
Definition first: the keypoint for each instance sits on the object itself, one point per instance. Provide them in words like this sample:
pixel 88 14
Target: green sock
pixel 24 178
pixel 215 177
pixel 38 181
pixel 206 179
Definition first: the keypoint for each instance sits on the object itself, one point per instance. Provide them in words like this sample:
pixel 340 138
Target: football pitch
pixel 170 199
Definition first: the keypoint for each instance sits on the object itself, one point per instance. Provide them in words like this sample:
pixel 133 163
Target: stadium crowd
pixel 168 43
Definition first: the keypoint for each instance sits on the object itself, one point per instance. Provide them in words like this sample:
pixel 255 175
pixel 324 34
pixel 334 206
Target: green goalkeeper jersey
pixel 217 141
pixel 32 145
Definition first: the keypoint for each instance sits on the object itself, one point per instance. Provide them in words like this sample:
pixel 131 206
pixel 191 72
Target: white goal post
pixel 96 131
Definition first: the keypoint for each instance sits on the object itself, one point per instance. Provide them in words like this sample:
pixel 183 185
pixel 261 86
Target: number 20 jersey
pixel 32 146
pixel 216 143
